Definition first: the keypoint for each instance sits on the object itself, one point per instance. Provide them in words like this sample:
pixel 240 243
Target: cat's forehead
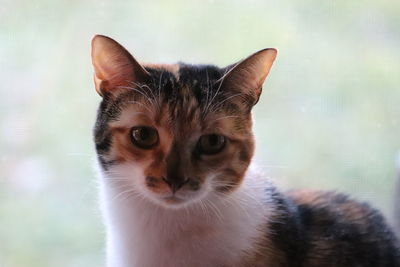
pixel 177 92
pixel 182 99
pixel 199 75
pixel 178 80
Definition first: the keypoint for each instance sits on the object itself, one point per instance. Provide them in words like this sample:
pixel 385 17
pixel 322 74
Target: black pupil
pixel 211 144
pixel 213 140
pixel 144 137
pixel 144 134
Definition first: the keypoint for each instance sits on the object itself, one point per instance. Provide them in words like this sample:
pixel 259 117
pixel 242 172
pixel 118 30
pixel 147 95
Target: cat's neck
pixel 216 231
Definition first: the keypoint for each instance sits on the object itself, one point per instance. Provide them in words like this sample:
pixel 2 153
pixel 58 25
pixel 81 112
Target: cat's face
pixel 174 133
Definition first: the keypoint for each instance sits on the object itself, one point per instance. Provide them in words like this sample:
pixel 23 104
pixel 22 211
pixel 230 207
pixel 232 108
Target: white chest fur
pixel 217 232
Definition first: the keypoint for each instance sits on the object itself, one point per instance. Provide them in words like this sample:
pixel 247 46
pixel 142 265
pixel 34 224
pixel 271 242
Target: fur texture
pixel 175 143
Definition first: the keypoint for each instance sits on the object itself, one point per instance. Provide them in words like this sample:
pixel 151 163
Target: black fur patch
pixel 323 233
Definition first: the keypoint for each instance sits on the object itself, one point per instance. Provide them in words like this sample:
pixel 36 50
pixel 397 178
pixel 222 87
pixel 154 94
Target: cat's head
pixel 175 133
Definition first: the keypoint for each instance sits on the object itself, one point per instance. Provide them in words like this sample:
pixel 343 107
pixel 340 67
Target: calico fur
pixel 225 213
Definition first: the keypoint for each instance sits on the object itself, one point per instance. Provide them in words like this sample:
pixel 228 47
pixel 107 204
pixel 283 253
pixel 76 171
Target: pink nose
pixel 175 184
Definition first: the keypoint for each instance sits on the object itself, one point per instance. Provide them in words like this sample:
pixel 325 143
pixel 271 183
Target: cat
pixel 174 145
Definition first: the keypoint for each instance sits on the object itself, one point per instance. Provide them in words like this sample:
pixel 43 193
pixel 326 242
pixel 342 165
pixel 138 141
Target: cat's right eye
pixel 144 137
pixel 211 144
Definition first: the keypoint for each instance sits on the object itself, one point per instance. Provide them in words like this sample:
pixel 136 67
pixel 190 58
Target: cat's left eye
pixel 211 144
pixel 144 137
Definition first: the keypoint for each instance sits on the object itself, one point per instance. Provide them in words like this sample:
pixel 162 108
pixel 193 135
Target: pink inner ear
pixel 114 65
pixel 249 75
pixel 110 63
pixel 116 71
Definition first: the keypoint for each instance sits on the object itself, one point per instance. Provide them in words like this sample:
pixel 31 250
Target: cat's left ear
pixel 247 76
pixel 114 66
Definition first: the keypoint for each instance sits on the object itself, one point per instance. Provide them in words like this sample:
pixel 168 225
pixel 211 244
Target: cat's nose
pixel 175 183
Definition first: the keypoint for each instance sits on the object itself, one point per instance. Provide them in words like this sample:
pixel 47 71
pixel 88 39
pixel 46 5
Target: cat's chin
pixel 173 200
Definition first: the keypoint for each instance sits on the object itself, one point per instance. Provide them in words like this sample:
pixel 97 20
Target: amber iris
pixel 144 137
pixel 211 144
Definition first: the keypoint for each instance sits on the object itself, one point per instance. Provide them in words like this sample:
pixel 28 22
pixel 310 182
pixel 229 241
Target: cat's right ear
pixel 246 77
pixel 114 66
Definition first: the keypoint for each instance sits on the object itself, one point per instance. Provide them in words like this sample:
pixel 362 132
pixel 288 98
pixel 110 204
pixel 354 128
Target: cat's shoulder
pixel 332 208
pixel 340 231
pixel 339 215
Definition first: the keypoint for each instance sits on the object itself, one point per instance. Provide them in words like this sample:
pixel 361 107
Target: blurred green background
pixel 329 116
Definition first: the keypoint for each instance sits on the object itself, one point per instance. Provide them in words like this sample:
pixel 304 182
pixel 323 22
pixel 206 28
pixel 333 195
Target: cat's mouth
pixel 178 199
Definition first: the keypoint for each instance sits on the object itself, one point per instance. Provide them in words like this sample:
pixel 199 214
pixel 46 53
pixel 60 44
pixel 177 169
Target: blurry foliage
pixel 328 117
